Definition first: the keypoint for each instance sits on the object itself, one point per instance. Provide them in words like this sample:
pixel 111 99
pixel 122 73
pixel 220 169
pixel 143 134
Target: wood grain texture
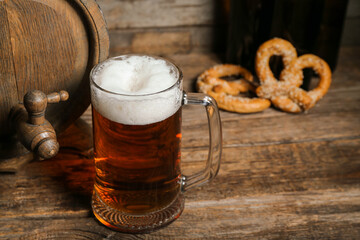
pixel 54 45
pixel 8 87
pixel 259 192
pixel 34 54
pixel 204 20
pixel 195 39
pixel 49 46
pixel 132 14
pixel 157 13
pixel 283 176
pixel 161 43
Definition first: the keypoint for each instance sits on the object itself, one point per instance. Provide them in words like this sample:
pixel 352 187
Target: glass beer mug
pixel 136 103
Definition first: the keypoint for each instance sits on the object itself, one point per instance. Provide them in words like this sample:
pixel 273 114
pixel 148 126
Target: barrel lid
pixel 50 46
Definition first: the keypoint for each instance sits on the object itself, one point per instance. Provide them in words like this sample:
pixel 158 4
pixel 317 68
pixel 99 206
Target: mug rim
pixel 95 68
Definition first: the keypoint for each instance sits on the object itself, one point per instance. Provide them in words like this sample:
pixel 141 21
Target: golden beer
pixel 137 166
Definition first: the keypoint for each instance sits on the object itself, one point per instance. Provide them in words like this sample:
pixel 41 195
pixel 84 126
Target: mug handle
pixel 215 141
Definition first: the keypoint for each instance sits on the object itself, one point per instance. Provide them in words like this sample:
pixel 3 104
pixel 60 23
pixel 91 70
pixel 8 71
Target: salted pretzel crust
pixel 286 93
pixel 276 47
pixel 226 93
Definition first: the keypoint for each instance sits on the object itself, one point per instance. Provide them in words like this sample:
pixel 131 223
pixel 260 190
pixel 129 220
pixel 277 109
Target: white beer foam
pixel 132 81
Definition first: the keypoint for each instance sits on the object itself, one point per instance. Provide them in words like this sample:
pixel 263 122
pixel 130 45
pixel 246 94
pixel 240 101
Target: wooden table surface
pixel 283 176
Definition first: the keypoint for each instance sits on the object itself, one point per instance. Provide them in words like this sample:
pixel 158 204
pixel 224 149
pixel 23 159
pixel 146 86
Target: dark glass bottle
pixel 312 26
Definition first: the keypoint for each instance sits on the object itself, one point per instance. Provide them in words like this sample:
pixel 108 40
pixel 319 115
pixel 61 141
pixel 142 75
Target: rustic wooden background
pixel 183 26
pixel 165 27
pixel 298 177
pixel 283 176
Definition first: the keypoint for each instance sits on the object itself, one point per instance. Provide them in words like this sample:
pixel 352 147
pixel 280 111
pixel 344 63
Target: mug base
pixel 124 222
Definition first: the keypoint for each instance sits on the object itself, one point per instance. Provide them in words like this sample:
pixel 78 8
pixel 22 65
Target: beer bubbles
pixel 130 83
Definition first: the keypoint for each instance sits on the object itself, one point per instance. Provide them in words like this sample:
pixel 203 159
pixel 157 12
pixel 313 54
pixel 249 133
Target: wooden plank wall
pixel 166 27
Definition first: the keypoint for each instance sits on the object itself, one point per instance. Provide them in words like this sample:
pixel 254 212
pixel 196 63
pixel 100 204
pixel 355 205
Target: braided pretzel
pixel 226 93
pixel 285 94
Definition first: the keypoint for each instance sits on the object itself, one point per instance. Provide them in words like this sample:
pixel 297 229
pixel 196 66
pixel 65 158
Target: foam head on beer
pixel 139 89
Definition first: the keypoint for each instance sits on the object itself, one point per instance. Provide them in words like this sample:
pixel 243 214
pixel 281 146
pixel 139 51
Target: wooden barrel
pixel 49 46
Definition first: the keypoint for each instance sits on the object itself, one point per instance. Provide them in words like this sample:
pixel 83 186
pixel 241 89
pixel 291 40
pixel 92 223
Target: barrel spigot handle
pixel 33 130
pixel 36 102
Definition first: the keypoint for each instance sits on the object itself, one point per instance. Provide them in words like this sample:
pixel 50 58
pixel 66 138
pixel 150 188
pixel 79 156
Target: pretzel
pixel 286 93
pixel 226 93
pixel 278 47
